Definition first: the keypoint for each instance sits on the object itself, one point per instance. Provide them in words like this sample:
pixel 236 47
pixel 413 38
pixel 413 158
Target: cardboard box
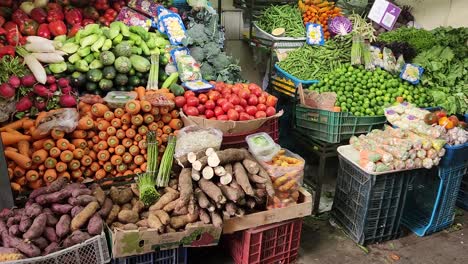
pixel 135 242
pixel 227 127
pixel 301 209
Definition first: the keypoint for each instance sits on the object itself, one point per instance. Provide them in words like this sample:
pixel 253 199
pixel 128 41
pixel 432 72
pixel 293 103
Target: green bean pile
pixel 283 16
pixel 313 62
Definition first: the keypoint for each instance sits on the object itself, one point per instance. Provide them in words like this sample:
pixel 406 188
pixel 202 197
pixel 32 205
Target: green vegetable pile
pixel 283 16
pixel 314 62
pixel 419 39
pixel 110 58
pixel 366 93
pixel 205 40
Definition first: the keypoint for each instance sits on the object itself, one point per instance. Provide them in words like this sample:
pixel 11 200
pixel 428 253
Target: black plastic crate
pixel 369 207
pixel 169 256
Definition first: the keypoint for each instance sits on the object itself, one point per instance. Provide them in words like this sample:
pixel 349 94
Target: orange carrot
pixel 75 174
pixel 14 125
pixel 109 115
pixel 85 123
pixel 95 147
pixel 38 144
pixel 130 133
pixel 116 122
pixel 71 147
pixel 64 174
pixel 119 112
pixel 100 174
pixel 61 166
pixel 102 145
pixel 134 150
pixel 78 153
pixel 143 166
pixel 102 135
pixel 10 130
pixel 99 109
pixel 148 118
pixel 20 159
pixel 119 150
pixel 57 134
pixel 24 147
pixel 50 175
pixel 107 166
pixel 10 173
pixel 166 118
pixel 111 131
pixel 145 106
pixel 138 159
pixel 176 124
pixel 80 143
pixel 36 134
pixel 124 127
pixel 74 164
pixel 160 124
pixel 116 160
pixel 103 125
pixel 137 120
pixel 131 166
pixel 166 130
pixel 153 126
pixel 62 144
pixel 66 156
pixel 86 160
pixel 48 144
pixel 18 172
pixel 39 156
pixel 126 119
pixel 127 142
pixel 120 134
pixel 36 184
pixel 143 130
pixel 91 134
pixel 142 144
pixel 121 167
pixel 94 166
pixel 79 134
pixel 103 155
pixel 111 150
pixel 140 90
pixel 53 152
pixel 10 138
pixel 15 186
pixel 137 138
pixel 127 157
pixel 92 154
pixel 50 163
pixel 128 172
pixel 133 107
pixel 113 141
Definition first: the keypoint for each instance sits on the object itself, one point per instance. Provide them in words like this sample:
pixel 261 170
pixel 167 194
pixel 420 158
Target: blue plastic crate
pixel 455 155
pixel 431 198
pixel 462 200
pixel 296 81
pixel 181 4
pixel 169 256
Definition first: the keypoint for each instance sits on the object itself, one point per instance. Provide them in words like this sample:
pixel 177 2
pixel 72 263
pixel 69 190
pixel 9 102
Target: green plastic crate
pixel 334 127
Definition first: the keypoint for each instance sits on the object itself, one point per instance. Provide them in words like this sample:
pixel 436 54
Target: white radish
pixel 39 47
pixel 48 57
pixel 36 68
pixel 36 39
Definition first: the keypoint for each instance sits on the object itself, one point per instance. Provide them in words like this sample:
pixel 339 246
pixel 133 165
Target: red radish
pixel 6 91
pixel 239 108
pixel 221 101
pixel 201 109
pixel 24 104
pixel 193 101
pixel 28 80
pixel 63 82
pixel 234 99
pixel 40 104
pixel 14 81
pixel 41 90
pixel 53 87
pixel 188 94
pixel 244 116
pixel 218 111
pixel 253 100
pixel 51 79
pixel 67 89
pixel 226 106
pixel 223 117
pixel 203 98
pixel 210 104
pixel 270 111
pixel 243 102
pixel 67 100
pixel 192 111
pixel 260 114
pixel 209 113
pixel 180 101
pixel 251 110
pixel 233 115
pixel 261 107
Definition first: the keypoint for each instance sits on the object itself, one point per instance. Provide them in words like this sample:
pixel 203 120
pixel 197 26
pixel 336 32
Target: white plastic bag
pixel 65 119
pixel 195 139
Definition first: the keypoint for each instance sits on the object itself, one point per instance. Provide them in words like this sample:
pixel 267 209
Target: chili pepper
pixel 7 50
pixel 13 34
pixel 2 31
pixel 2 21
pixel 54 6
pixel 72 32
pixel 73 16
pixel 19 16
pixel 57 28
pixel 43 31
pixel 29 27
pixel 55 15
pixel 39 15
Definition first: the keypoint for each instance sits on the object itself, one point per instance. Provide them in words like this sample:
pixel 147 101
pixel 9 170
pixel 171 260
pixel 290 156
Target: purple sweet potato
pixel 14 230
pixel 55 197
pixel 5 250
pixel 75 238
pixel 78 192
pixel 6 212
pixel 3 227
pixel 76 210
pixel 51 248
pixel 61 208
pixel 106 208
pixel 82 200
pixel 55 186
pixel 95 225
pixel 40 242
pixel 25 223
pixel 37 227
pixel 49 233
pixel 74 186
pixel 63 226
pixel 27 249
pixel 13 220
pixel 33 210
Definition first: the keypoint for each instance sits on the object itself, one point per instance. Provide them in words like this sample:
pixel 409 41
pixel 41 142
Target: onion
pixel 340 25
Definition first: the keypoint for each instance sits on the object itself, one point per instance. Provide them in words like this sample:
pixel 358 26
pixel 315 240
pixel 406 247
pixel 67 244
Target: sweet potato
pixel 33 210
pixel 14 230
pixel 14 220
pixel 51 218
pixel 154 222
pixel 164 200
pixel 75 238
pixel 95 225
pixel 51 248
pixel 100 195
pixel 105 208
pixel 3 227
pixel 113 214
pixel 78 192
pixel 128 216
pixel 5 250
pixel 55 186
pixel 27 249
pixel 49 234
pixel 185 187
pixel 61 208
pixel 25 223
pixel 37 227
pixel 80 219
pixel 170 206
pixel 130 227
pixel 121 196
pixel 83 200
pixel 40 242
pixel 76 210
pixel 62 228
pixel 55 197
pixel 142 223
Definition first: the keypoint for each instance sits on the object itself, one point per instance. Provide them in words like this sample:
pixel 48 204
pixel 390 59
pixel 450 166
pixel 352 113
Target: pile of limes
pixel 367 93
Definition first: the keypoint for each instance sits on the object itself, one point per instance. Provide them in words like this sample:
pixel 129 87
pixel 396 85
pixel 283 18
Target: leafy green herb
pixel 11 66
pixel 419 39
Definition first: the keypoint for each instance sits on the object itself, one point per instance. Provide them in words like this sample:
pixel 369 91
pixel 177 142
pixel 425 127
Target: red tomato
pixel 234 99
pixel 221 101
pixel 203 98
pixel 209 113
pixel 218 111
pixel 214 95
pixel 270 111
pixel 271 100
pixel 180 101
pixel 239 108
pixel 244 93
pixel 184 108
pixel 253 100
pixel 236 88
pixel 193 101
pixel 188 94
pixel 226 106
pixel 261 107
pixel 223 117
pixel 243 102
pixel 262 99
pixel 244 116
pixel 255 89
pixel 192 111
pixel 210 104
pixel 233 115
pixel 251 110
pixel 226 90
pixel 201 109
pixel 260 114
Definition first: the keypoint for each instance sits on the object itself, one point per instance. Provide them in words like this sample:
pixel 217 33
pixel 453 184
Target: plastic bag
pixel 389 60
pixel 64 119
pixel 195 139
pixel 188 68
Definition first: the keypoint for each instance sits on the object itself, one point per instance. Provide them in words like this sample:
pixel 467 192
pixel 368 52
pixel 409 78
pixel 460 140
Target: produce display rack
pixel 6 194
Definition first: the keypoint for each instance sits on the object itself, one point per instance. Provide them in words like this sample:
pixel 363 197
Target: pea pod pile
pixel 283 16
pixel 313 62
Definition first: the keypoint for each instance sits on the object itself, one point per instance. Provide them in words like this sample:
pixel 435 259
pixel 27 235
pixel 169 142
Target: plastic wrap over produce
pixel 195 139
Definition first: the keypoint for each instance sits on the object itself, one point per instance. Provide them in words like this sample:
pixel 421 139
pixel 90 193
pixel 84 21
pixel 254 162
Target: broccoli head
pixel 208 73
pixel 197 53
pixel 220 61
pixel 211 49
pixel 197 35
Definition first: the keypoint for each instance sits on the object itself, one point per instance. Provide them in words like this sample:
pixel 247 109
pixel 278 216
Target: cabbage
pixel 340 25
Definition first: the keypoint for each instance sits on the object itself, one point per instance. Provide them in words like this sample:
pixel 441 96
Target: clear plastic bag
pixel 65 119
pixel 188 68
pixel 194 139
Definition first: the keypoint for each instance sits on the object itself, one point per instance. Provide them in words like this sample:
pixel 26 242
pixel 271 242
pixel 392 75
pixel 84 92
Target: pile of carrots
pixel 319 12
pixel 106 142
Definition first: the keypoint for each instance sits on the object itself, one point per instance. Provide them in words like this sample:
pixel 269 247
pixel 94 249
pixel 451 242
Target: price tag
pixel 314 34
pixel 384 13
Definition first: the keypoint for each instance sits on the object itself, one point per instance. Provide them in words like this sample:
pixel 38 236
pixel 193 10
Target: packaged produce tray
pixel 92 251
pixel 301 209
pixel 279 42
pixel 238 140
pixel 334 127
pixel 296 81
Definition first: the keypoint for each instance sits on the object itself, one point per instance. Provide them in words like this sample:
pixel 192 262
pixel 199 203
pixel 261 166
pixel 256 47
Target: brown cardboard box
pixel 227 127
pixel 135 242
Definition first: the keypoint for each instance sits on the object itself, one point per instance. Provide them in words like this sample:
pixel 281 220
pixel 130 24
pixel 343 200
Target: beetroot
pixel 14 81
pixel 6 91
pixel 24 104
pixel 67 90
pixel 67 100
pixel 28 80
pixel 51 79
pixel 63 82
pixel 53 87
pixel 40 104
pixel 41 90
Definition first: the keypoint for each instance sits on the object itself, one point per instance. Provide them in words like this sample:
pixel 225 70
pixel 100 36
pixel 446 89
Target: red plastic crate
pixel 238 140
pixel 275 243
